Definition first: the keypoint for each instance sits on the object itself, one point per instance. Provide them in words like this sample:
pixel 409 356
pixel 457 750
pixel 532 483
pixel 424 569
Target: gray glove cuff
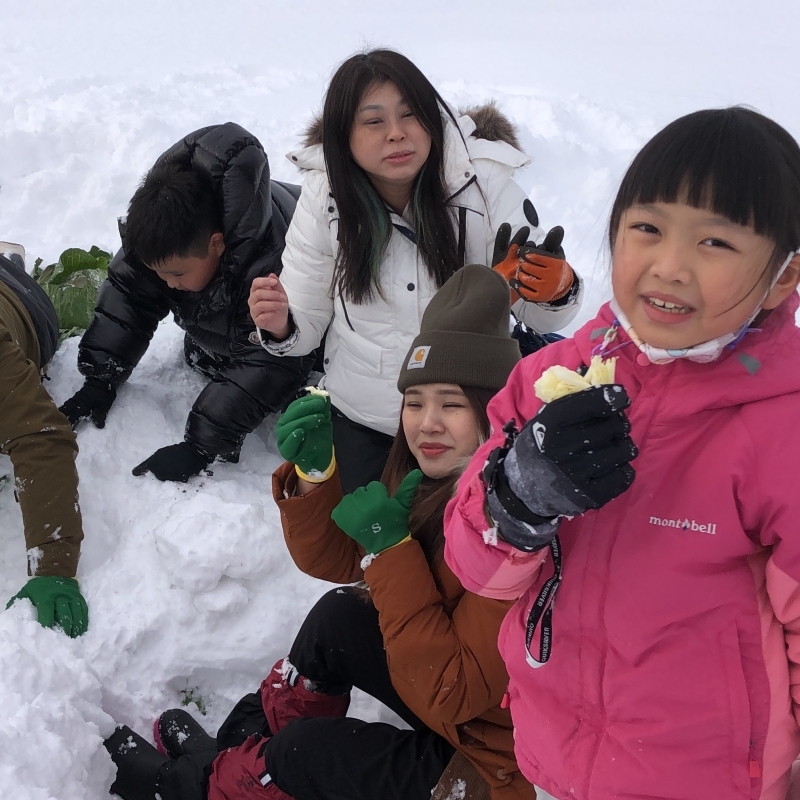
pixel 538 482
pixel 520 534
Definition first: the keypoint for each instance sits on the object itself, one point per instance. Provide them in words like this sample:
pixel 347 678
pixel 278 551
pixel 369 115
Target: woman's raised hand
pixel 375 520
pixel 305 437
pixel 269 306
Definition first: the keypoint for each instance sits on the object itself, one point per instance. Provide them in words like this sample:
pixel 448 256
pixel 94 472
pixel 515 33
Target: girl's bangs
pixel 727 161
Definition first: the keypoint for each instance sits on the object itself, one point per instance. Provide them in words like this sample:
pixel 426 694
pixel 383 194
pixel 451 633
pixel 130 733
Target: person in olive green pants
pixel 42 447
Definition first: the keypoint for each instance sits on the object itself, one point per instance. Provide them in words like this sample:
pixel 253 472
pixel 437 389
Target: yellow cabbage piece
pixel 559 381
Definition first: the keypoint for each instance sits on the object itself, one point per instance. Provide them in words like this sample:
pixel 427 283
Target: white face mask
pixel 705 351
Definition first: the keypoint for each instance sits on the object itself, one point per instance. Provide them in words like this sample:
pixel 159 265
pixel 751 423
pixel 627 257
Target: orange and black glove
pixel 543 274
pixel 539 274
pixel 505 258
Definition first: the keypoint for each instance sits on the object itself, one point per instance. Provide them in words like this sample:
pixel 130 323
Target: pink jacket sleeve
pixel 784 595
pixel 485 565
pixel 770 505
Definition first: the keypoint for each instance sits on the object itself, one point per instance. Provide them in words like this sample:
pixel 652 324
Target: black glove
pixel 177 462
pixel 571 457
pixel 550 246
pixel 92 401
pixel 503 241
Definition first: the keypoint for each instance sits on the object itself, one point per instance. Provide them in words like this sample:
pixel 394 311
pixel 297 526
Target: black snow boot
pixel 177 733
pixel 138 765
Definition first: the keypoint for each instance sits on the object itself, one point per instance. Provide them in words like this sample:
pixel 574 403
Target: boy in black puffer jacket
pixel 205 222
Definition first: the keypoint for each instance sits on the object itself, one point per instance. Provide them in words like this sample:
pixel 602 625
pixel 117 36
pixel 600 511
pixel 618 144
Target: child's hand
pixel 305 436
pixel 375 520
pixel 92 401
pixel 574 455
pixel 176 462
pixel 269 306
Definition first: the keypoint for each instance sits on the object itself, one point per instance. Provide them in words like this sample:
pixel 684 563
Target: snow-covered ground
pixel 191 594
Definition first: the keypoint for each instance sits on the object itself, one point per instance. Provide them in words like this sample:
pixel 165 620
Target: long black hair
pixel 732 161
pixel 364 223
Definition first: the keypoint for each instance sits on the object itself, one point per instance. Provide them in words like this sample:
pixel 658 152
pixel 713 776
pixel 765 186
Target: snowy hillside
pixel 191 593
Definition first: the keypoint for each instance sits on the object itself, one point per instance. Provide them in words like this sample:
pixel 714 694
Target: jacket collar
pixel 763 365
pixel 460 148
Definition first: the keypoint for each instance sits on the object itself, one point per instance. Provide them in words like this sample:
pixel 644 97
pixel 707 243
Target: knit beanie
pixel 464 337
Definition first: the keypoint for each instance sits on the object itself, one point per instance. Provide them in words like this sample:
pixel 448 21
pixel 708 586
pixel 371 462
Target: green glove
pixel 305 434
pixel 58 601
pixel 375 520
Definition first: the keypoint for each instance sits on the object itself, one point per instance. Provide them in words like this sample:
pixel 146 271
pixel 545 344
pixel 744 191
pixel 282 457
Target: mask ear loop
pixel 746 327
pixel 787 260
pixel 781 270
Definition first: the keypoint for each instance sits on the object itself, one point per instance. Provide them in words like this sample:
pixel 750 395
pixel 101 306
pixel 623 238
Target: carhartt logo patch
pixel 419 357
pixel 685 525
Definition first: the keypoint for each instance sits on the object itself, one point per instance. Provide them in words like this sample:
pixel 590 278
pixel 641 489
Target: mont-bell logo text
pixel 685 524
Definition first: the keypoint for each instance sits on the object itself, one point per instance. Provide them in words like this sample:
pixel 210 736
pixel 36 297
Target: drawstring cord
pixel 611 334
pixel 608 339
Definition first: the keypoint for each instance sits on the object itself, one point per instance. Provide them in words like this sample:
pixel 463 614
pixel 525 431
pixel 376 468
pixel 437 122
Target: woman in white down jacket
pixel 398 196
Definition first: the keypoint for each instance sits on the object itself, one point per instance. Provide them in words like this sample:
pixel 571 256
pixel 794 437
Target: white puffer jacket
pixel 367 343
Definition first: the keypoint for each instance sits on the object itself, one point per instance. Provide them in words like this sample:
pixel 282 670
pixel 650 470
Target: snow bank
pixel 192 595
pixel 52 726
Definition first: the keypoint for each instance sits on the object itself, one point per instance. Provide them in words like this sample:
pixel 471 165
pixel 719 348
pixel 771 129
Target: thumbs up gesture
pixel 375 520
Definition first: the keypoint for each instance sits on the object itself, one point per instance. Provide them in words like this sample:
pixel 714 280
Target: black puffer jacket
pixel 256 215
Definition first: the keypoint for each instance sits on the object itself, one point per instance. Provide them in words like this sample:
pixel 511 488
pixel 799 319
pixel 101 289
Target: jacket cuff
pixel 279 348
pixel 284 488
pixel 569 298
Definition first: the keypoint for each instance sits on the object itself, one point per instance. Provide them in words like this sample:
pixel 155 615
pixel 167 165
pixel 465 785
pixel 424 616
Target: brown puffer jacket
pixel 440 640
pixel 41 444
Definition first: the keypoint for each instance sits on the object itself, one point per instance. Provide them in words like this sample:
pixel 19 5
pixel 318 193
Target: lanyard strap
pixel 542 611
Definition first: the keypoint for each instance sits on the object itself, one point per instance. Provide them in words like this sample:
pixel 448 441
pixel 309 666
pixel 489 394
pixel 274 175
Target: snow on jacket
pixel 256 215
pixel 33 432
pixel 675 666
pixel 440 641
pixel 367 342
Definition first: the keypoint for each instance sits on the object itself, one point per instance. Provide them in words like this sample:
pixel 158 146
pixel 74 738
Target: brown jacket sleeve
pixel 42 448
pixel 317 545
pixel 447 668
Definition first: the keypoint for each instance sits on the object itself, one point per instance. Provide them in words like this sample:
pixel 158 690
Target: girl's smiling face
pixel 440 427
pixel 685 275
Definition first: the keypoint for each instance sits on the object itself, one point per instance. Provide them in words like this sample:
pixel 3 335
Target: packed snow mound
pixel 192 594
pixel 52 725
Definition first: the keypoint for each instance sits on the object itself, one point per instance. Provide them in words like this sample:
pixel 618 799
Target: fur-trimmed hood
pixel 481 131
pixel 490 124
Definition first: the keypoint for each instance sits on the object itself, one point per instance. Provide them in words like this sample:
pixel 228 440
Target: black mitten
pixel 571 457
pixel 177 462
pixel 92 401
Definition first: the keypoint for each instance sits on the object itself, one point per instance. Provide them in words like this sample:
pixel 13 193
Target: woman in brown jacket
pixel 416 640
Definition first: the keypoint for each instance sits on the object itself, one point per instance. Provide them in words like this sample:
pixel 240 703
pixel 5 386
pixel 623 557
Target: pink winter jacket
pixel 675 667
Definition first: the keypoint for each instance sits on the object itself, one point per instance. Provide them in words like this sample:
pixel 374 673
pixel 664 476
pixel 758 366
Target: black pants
pixel 349 759
pixel 340 646
pixel 361 452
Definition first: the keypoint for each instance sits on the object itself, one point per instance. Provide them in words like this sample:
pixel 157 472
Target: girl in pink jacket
pixel 668 665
